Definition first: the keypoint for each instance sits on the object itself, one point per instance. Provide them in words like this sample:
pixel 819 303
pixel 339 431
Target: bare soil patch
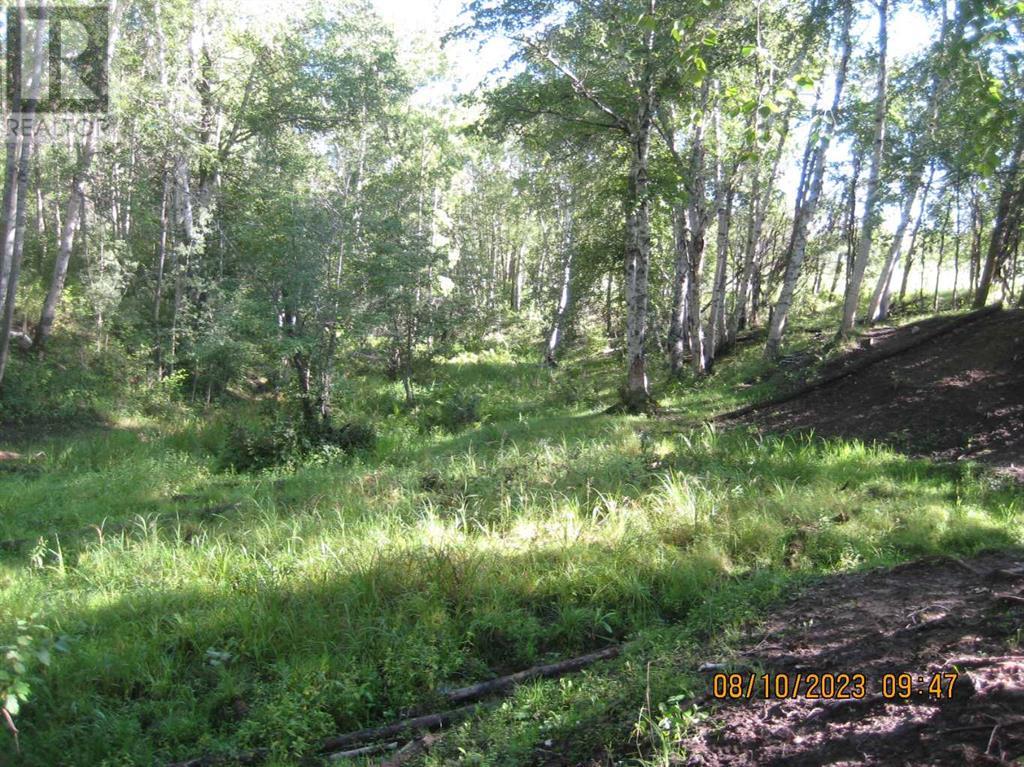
pixel 936 615
pixel 958 396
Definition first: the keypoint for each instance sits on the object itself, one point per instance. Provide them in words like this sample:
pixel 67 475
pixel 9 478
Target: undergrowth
pixel 502 521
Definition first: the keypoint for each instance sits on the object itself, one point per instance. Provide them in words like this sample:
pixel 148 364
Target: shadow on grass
pixel 284 645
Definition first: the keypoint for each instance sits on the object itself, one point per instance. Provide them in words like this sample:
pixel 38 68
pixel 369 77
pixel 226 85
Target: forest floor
pixel 956 397
pixel 930 619
pixel 504 522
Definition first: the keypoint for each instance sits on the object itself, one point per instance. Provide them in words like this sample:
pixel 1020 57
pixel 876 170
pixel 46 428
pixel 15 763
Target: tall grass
pixel 342 593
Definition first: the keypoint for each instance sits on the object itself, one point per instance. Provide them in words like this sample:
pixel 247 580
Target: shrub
pixel 287 441
pixel 453 414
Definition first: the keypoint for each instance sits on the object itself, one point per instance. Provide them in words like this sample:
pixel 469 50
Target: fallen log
pixel 364 751
pixel 412 749
pixel 350 742
pixel 482 689
pixel 864 362
pixel 426 722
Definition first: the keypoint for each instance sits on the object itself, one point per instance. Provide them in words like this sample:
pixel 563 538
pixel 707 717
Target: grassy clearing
pixel 343 591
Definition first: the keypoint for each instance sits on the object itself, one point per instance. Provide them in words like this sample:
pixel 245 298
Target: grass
pixel 342 592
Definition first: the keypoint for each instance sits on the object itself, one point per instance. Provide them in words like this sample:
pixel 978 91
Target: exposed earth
pixel 955 397
pixel 934 616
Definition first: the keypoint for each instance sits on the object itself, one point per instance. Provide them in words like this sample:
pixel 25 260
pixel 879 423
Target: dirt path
pixel 933 616
pixel 959 396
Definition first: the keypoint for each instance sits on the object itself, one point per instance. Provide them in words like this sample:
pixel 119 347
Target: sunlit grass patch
pixel 335 594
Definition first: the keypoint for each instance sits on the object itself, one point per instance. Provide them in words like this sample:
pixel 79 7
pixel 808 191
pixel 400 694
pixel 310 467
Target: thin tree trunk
pixel 723 212
pixel 608 328
pixel 161 264
pixel 517 277
pixel 561 313
pixel 21 189
pixel 638 255
pixel 1008 219
pixel 680 293
pixel 807 201
pixel 879 307
pixel 872 208
pixel 956 254
pixel 13 136
pixel 739 313
pixel 697 218
pixel 942 256
pixel 67 239
pixel 975 255
pixel 10 205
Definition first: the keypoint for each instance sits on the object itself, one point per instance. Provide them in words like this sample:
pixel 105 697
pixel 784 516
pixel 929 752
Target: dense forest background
pixel 269 204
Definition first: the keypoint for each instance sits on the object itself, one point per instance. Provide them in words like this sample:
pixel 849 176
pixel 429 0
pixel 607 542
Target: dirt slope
pixel 932 616
pixel 958 396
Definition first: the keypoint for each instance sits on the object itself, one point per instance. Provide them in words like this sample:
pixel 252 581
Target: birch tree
pixel 76 199
pixel 872 206
pixel 31 42
pixel 809 192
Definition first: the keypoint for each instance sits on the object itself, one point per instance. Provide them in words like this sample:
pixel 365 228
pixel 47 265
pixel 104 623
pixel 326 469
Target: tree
pixel 809 191
pixel 15 197
pixel 872 209
pixel 602 68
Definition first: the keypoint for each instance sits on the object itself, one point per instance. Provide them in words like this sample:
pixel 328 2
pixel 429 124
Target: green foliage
pixel 453 413
pixel 28 653
pixel 74 385
pixel 217 611
pixel 286 441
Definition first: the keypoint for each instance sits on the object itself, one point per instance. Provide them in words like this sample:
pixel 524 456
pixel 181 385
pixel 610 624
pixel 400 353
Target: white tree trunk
pixel 872 210
pixel 20 191
pixel 878 310
pixel 638 258
pixel 561 313
pixel 723 211
pixel 680 293
pixel 67 238
pixel 807 201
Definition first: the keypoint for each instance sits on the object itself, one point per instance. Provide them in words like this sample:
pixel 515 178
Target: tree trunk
pixel 680 294
pixel 638 256
pixel 850 227
pixel 21 190
pixel 739 312
pixel 977 223
pixel 10 205
pixel 872 210
pixel 942 256
pixel 879 307
pixel 1006 226
pixel 608 328
pixel 807 201
pixel 517 277
pixel 7 324
pixel 161 263
pixel 697 217
pixel 723 213
pixel 561 313
pixel 67 239
pixel 13 136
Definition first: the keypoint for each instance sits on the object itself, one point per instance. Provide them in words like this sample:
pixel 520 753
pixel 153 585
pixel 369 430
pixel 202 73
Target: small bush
pixel 289 441
pixel 452 414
